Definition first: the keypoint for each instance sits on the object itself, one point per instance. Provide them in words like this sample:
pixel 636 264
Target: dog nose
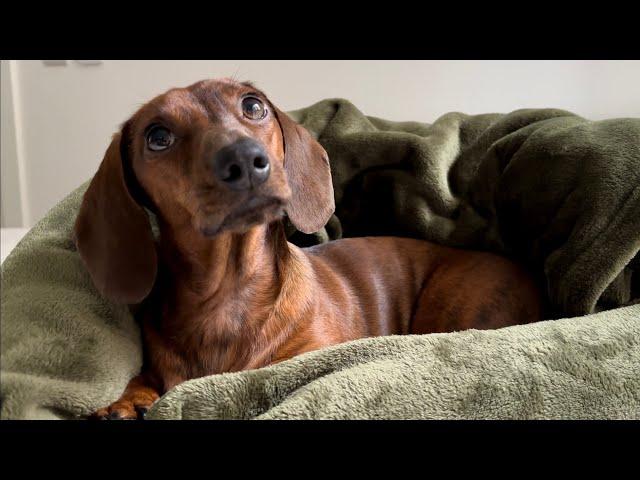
pixel 242 164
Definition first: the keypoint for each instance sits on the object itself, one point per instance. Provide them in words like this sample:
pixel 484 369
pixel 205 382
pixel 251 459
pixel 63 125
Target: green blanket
pixel 574 369
pixel 559 192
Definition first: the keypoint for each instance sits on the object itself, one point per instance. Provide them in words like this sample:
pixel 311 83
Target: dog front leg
pixel 134 403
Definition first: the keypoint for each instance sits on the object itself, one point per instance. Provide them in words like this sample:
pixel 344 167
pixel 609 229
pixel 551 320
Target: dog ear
pixel 309 176
pixel 112 231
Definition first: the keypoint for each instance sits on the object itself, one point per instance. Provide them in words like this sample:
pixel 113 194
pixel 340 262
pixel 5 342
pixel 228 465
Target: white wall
pixel 66 115
pixel 10 174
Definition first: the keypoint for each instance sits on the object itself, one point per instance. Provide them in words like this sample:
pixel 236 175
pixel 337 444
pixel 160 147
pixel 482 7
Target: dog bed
pixel 557 192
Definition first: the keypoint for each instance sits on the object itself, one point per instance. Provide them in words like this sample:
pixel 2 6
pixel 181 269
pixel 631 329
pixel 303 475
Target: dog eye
pixel 159 138
pixel 253 108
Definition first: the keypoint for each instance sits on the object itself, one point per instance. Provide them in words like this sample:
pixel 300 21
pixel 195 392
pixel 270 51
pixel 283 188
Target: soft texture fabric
pixel 582 368
pixel 556 191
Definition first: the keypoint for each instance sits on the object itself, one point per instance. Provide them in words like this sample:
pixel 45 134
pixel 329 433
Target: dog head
pixel 213 157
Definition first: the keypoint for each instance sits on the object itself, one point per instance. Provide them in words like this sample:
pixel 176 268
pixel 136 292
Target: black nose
pixel 242 164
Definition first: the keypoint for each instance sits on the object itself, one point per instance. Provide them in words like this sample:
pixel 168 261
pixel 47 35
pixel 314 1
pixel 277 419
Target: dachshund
pixel 222 290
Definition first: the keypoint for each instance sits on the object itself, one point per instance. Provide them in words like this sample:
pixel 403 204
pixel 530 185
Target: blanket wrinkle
pixel 554 190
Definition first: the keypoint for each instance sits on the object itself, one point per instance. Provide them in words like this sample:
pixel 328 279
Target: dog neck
pixel 221 266
pixel 233 288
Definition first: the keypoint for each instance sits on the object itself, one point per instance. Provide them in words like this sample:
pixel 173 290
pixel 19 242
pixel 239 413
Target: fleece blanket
pixel 558 192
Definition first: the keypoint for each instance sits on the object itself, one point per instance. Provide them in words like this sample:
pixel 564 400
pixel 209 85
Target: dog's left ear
pixel 309 176
pixel 112 230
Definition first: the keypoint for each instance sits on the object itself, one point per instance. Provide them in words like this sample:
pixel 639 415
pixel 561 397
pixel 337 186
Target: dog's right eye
pixel 159 138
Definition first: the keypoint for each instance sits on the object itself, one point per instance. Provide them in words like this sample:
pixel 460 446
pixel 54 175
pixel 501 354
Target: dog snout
pixel 241 165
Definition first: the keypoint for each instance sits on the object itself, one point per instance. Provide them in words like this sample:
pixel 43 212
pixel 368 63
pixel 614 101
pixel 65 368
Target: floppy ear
pixel 113 234
pixel 309 176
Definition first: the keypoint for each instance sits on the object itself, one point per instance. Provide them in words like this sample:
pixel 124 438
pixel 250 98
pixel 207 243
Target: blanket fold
pixel 550 370
pixel 558 192
pixel 543 185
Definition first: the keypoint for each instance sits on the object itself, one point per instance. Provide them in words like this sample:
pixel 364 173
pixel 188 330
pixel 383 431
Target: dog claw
pixel 142 411
pixel 121 412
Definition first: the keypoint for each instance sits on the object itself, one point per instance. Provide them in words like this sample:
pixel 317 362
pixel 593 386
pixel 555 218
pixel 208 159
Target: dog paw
pixel 122 410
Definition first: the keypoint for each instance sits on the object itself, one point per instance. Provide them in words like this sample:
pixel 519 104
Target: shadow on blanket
pixel 556 191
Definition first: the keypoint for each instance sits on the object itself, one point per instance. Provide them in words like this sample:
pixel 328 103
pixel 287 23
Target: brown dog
pixel 223 289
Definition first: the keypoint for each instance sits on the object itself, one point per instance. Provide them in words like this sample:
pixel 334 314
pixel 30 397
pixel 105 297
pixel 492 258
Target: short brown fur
pixel 223 290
